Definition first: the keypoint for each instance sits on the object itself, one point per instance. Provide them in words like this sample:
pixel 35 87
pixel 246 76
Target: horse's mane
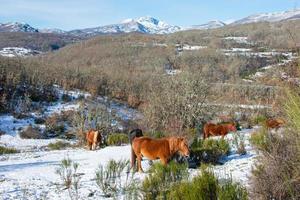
pixel 173 143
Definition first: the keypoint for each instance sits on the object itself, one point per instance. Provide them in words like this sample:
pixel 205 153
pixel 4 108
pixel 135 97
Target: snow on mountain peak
pixel 17 27
pixel 210 25
pixel 270 17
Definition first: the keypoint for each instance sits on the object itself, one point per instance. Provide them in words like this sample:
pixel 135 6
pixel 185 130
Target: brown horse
pixel 153 149
pixel 93 139
pixel 275 123
pixel 211 129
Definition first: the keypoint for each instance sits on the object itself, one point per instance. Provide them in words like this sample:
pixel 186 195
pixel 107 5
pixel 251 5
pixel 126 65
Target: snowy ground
pixel 17 51
pixel 32 175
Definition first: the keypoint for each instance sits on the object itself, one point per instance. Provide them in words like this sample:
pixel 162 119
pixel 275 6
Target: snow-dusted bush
pixel 110 180
pixel 68 173
pixel 239 143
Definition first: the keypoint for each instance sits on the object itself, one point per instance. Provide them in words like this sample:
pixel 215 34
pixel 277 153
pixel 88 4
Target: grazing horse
pixel 93 139
pixel 275 123
pixel 211 129
pixel 153 149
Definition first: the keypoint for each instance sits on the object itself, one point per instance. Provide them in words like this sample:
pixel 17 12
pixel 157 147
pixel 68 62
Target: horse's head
pixel 183 147
pixel 232 127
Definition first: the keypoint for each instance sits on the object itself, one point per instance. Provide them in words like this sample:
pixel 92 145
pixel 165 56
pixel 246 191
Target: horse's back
pixel 150 147
pixel 93 136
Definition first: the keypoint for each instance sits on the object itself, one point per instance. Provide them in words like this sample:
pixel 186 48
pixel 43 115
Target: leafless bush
pixel 31 133
pixel 92 117
pixel 176 103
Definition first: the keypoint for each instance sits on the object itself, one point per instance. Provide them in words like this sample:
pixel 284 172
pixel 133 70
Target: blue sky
pixel 71 14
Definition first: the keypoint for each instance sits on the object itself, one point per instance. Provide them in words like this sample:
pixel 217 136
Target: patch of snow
pixel 240 40
pixel 172 71
pixel 210 25
pixel 17 51
pixel 193 48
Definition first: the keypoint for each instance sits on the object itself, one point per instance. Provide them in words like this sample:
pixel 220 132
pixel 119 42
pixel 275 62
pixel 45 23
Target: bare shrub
pixel 177 102
pixel 239 143
pixel 277 174
pixel 95 117
pixel 31 133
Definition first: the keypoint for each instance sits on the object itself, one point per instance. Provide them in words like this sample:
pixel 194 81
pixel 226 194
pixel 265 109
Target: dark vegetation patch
pixel 31 133
pixel 6 150
pixel 36 41
pixel 59 145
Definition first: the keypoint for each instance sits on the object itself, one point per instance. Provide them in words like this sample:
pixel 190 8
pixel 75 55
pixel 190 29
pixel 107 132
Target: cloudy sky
pixel 71 14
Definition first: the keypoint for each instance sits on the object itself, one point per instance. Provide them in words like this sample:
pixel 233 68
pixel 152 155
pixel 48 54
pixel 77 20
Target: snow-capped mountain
pixel 270 17
pixel 147 25
pixel 150 25
pixel 156 26
pixel 17 27
pixel 209 25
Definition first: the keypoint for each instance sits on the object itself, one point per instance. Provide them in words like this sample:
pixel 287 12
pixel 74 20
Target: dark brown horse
pixel 93 139
pixel 153 149
pixel 211 129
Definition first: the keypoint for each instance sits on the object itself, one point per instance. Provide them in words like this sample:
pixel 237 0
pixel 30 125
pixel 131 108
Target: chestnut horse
pixel 93 139
pixel 275 123
pixel 153 149
pixel 211 129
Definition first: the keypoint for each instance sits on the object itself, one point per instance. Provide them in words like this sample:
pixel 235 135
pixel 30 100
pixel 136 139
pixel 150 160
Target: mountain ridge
pixel 151 25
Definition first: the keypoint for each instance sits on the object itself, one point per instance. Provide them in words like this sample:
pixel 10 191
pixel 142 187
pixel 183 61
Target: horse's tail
pixel 132 135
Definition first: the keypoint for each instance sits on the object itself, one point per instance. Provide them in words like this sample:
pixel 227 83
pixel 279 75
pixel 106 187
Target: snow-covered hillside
pixel 52 30
pixel 270 17
pixel 209 25
pixel 17 27
pixel 17 51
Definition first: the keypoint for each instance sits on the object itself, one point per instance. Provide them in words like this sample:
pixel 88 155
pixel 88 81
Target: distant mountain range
pixel 270 17
pixel 150 25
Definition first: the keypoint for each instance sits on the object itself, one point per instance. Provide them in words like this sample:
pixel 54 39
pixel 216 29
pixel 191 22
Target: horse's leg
pixel 139 160
pixel 89 145
pixel 164 161
pixel 133 158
